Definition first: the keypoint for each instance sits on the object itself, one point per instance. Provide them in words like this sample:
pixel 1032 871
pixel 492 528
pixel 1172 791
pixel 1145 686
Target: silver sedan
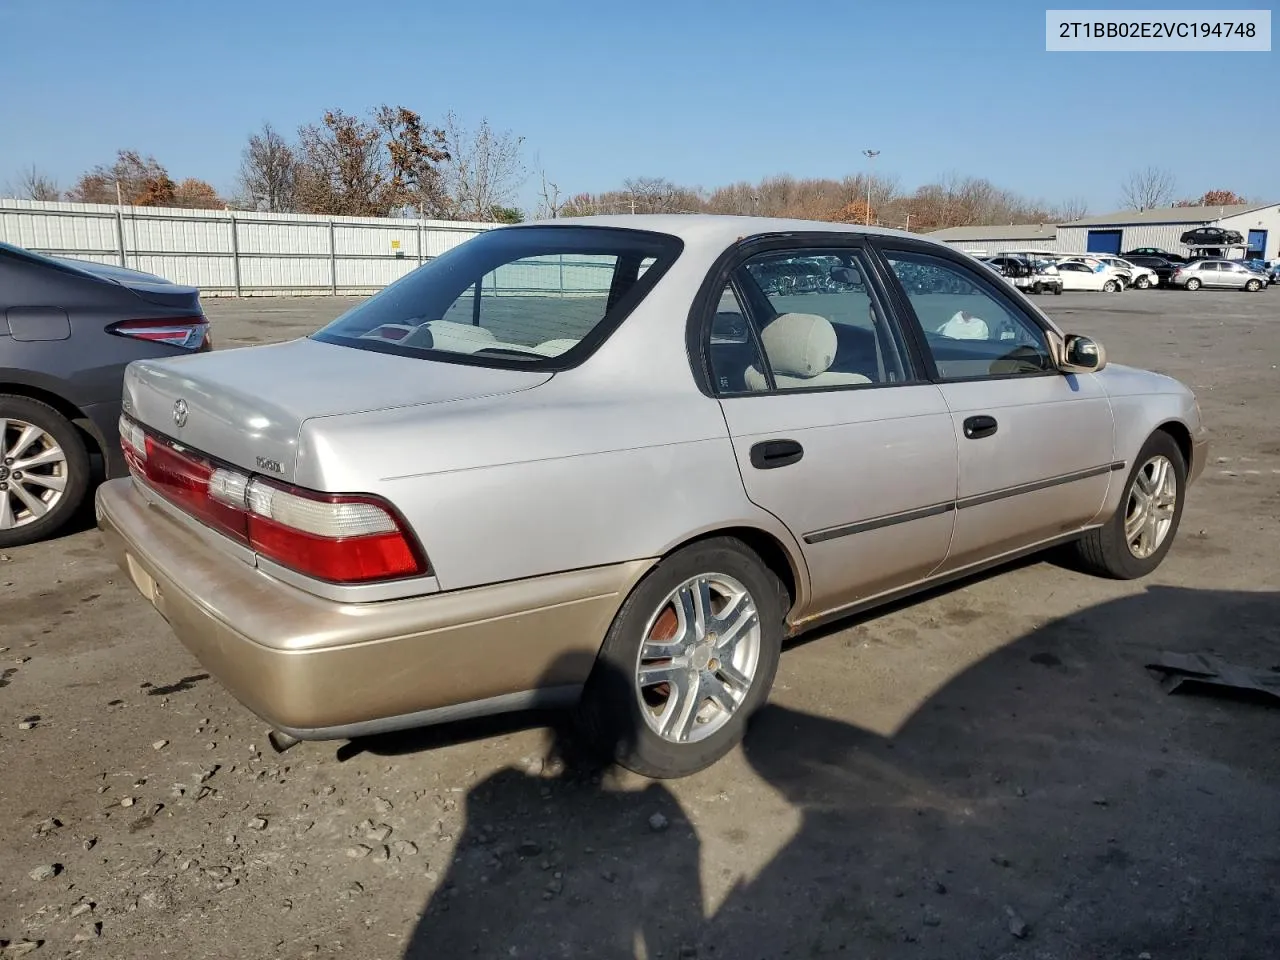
pixel 616 462
pixel 1218 273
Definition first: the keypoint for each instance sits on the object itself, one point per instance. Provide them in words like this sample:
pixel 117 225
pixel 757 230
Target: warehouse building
pixel 1162 227
pixel 1125 230
pixel 1010 236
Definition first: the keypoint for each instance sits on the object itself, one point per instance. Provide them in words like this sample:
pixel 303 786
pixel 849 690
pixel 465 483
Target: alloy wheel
pixel 1153 499
pixel 33 473
pixel 698 659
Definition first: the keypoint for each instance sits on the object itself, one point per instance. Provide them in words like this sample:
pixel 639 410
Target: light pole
pixel 870 155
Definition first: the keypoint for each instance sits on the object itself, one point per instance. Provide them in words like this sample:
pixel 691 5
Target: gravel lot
pixel 987 771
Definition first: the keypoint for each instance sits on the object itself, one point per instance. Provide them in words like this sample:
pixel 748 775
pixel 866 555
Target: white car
pixel 1076 275
pixel 1143 277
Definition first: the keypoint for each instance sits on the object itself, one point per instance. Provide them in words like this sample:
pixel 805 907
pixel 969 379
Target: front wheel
pixel 1135 540
pixel 1193 284
pixel 690 656
pixel 1057 291
pixel 1253 286
pixel 1037 288
pixel 44 470
pixel 1142 283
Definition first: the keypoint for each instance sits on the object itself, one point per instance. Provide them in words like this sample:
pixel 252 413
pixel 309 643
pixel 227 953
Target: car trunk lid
pixel 246 407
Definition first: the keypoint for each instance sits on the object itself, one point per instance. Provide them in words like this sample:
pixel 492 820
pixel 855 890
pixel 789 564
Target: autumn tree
pixel 484 168
pixel 196 194
pixel 33 184
pixel 132 179
pixel 1214 198
pixel 1147 188
pixel 268 172
pixel 350 166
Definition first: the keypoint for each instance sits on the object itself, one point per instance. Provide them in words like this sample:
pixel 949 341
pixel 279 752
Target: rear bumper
pixel 319 669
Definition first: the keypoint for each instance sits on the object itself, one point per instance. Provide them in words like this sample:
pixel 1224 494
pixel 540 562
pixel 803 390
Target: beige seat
pixel 801 348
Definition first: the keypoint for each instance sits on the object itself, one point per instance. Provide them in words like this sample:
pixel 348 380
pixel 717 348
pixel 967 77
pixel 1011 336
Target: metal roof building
pixel 1163 227
pixel 994 239
pixel 1125 230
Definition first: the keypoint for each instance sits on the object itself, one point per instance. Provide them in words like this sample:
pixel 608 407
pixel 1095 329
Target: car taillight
pixel 341 538
pixel 190 333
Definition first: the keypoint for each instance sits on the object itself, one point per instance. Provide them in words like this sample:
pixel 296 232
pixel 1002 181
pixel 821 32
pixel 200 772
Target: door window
pixel 969 330
pixel 817 323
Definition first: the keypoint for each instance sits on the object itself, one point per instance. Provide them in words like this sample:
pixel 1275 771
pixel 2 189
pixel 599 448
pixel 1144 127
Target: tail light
pixel 340 538
pixel 190 333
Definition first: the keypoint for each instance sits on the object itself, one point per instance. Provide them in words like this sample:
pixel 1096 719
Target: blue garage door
pixel 1257 245
pixel 1104 241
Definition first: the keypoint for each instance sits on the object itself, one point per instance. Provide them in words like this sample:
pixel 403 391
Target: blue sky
pixel 703 92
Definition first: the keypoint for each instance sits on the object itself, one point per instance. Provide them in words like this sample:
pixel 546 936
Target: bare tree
pixel 35 185
pixel 484 169
pixel 1147 188
pixel 133 178
pixel 269 172
pixel 1072 208
pixel 549 202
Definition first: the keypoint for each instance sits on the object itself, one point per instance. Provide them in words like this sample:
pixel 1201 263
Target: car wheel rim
pixel 698 659
pixel 1148 515
pixel 33 473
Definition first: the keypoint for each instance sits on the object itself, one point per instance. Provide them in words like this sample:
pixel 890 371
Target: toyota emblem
pixel 180 413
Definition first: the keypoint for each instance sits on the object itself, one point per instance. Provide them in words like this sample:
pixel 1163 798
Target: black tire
pixel 610 716
pixel 1193 284
pixel 65 434
pixel 1111 286
pixel 1105 551
pixel 1253 286
pixel 1057 291
pixel 1037 288
pixel 1142 282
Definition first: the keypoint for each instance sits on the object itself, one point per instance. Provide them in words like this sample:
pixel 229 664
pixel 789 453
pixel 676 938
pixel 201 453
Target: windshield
pixel 530 297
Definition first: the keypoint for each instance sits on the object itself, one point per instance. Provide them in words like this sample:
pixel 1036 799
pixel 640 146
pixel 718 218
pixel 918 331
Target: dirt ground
pixel 985 771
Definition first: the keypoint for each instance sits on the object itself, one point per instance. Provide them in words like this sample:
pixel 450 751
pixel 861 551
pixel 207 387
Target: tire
pixel 1106 551
pixel 1037 288
pixel 1193 284
pixel 1142 283
pixel 621 717
pixel 1057 291
pixel 1253 286
pixel 1111 287
pixel 54 435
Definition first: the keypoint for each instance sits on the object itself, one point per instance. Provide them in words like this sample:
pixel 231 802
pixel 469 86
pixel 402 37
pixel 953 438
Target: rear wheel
pixel 1135 540
pixel 1193 284
pixel 1253 286
pixel 1057 291
pixel 44 470
pixel 1037 288
pixel 690 656
pixel 1111 286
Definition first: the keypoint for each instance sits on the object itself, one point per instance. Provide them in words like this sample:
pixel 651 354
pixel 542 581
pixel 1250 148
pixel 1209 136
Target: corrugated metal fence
pixel 235 253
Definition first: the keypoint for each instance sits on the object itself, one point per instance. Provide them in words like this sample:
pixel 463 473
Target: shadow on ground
pixel 1050 802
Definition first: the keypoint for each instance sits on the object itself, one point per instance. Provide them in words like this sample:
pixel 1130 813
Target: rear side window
pixel 527 297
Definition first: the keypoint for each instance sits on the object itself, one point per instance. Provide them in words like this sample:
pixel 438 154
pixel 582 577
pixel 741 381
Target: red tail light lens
pixel 340 538
pixel 190 333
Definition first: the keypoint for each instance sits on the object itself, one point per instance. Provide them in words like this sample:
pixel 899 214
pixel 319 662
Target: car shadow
pixel 1050 801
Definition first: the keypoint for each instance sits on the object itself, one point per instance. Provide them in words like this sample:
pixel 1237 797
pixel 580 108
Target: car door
pixel 835 431
pixel 1035 446
pixel 1076 276
pixel 1233 275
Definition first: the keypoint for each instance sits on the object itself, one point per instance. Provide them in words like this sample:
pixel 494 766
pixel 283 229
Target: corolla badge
pixel 180 413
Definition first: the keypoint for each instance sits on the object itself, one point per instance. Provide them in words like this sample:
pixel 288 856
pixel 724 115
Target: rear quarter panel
pixel 557 478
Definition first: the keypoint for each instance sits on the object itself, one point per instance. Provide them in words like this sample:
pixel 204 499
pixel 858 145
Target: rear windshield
pixel 528 297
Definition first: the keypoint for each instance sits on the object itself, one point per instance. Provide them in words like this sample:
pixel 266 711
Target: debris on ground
pixel 1202 671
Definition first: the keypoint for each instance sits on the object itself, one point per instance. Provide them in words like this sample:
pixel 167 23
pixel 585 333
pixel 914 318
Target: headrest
pixel 799 344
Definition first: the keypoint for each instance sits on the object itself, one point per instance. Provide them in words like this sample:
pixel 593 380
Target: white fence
pixel 235 253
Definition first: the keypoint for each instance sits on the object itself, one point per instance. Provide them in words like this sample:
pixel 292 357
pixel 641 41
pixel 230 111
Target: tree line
pixel 391 162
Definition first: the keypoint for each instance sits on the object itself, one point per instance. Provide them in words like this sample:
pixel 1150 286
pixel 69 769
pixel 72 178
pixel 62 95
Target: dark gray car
pixel 68 328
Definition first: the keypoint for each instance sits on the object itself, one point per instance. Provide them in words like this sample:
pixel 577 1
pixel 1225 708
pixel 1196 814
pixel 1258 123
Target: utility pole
pixel 870 155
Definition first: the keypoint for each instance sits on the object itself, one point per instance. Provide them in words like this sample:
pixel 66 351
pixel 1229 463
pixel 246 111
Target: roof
pixel 717 228
pixel 1168 215
pixel 1006 231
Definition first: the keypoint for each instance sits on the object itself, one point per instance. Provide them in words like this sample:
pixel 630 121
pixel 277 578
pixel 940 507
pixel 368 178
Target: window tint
pixel 818 322
pixel 523 296
pixel 969 331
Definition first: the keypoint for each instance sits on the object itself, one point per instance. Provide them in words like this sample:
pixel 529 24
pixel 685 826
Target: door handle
pixel 975 428
pixel 775 453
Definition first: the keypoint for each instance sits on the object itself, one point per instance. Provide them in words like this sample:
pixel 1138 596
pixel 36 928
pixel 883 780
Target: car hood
pixel 247 406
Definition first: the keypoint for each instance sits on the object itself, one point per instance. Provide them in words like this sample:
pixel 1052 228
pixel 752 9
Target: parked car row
pixel 1143 268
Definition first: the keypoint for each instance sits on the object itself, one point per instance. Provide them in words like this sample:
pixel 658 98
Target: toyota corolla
pixel 612 462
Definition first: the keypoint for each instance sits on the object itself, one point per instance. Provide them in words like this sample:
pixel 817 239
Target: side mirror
pixel 1082 355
